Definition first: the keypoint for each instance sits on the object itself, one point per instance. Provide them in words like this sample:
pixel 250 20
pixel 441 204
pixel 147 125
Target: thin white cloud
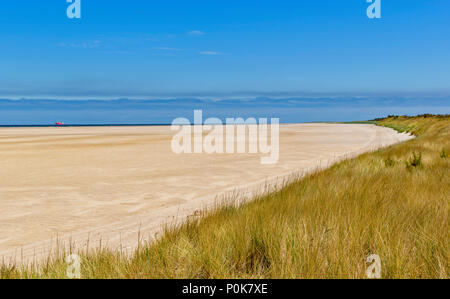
pixel 84 45
pixel 167 49
pixel 196 32
pixel 210 53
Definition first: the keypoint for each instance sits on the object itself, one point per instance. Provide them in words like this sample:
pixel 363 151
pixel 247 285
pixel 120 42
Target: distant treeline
pixel 427 115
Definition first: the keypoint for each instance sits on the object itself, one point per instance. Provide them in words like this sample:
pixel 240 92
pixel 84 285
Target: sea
pixel 157 112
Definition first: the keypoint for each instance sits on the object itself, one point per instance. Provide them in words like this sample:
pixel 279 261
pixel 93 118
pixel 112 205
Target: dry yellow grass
pixel 323 226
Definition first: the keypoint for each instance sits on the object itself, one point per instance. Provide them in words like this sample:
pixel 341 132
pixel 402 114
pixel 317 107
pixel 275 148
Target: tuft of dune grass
pixel 322 226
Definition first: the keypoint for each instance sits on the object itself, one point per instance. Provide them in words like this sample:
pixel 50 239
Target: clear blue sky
pixel 174 48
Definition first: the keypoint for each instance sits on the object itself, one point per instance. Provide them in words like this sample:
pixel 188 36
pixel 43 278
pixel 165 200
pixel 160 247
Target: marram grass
pixel 393 202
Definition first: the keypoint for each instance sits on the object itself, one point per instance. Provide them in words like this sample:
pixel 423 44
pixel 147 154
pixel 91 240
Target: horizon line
pixel 222 97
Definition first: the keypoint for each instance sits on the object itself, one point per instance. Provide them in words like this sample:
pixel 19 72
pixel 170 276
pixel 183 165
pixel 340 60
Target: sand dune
pixel 112 182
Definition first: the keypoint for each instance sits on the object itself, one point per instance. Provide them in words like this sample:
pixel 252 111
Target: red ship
pixel 59 123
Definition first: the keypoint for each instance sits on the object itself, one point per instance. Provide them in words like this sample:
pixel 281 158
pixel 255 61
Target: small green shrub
pixel 444 154
pixel 415 161
pixel 389 162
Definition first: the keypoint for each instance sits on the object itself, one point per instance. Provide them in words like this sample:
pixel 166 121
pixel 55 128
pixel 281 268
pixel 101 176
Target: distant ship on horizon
pixel 59 123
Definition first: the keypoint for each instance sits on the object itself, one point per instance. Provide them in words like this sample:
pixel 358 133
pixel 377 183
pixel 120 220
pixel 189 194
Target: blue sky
pixel 148 49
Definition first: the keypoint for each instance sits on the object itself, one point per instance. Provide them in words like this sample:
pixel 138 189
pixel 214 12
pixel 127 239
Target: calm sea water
pixel 163 112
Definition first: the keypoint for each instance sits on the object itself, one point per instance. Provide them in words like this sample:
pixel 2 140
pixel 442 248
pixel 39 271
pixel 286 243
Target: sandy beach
pixel 117 183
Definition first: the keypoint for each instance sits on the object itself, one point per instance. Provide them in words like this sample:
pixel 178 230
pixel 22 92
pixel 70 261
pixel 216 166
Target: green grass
pixel 322 226
pixel 444 154
pixel 368 122
pixel 415 161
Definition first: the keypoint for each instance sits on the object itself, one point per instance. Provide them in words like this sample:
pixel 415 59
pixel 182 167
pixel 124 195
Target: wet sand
pixel 117 183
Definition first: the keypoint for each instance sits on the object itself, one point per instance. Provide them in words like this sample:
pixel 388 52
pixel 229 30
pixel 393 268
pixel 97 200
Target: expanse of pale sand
pixel 110 186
